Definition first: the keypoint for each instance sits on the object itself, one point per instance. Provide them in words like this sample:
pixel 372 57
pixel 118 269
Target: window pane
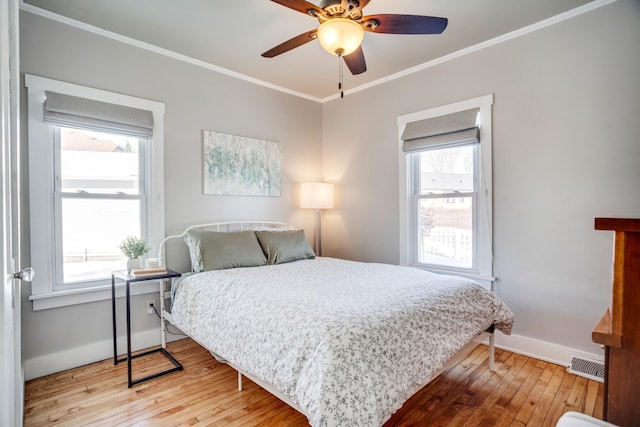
pixel 92 231
pixel 445 231
pixel 96 162
pixel 446 170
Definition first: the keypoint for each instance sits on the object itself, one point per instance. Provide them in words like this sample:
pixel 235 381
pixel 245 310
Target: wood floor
pixel 522 392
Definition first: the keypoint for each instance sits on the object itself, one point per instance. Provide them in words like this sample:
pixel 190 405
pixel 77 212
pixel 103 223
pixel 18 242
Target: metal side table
pixel 128 280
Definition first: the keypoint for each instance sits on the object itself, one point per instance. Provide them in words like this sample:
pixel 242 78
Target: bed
pixel 345 343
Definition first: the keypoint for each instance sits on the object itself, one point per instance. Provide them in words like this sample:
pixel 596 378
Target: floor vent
pixel 588 368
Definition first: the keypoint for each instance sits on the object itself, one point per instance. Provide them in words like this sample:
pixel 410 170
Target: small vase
pixel 133 263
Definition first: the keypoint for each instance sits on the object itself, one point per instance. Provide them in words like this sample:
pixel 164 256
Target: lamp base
pixel 318 234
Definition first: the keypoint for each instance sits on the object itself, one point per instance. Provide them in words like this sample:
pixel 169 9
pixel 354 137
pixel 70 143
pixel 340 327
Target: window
pixel 95 177
pixel 100 199
pixel 445 194
pixel 444 199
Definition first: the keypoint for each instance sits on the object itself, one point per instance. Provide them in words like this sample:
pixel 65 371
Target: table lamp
pixel 316 195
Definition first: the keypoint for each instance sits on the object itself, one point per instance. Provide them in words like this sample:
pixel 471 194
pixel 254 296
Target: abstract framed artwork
pixel 241 166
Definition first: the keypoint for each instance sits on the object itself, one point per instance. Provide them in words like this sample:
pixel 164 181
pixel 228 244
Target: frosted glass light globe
pixel 340 36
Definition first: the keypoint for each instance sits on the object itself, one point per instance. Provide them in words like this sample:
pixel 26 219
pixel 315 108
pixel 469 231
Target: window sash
pixel 417 184
pixel 59 196
pixel 416 196
pixel 416 256
pixel 99 236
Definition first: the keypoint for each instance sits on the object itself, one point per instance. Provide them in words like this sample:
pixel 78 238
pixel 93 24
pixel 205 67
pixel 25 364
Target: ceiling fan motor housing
pixel 334 8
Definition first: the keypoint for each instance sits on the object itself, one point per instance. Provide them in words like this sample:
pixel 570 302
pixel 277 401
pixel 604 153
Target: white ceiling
pixel 232 34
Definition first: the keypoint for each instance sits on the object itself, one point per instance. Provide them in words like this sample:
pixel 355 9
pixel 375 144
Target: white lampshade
pixel 316 195
pixel 340 36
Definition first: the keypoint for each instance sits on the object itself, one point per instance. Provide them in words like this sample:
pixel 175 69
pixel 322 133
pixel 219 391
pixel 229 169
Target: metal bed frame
pixel 165 315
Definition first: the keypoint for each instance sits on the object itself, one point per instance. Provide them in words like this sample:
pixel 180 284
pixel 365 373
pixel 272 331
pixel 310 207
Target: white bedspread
pixel 348 342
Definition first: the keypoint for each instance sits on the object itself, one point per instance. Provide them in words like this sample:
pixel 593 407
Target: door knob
pixel 27 274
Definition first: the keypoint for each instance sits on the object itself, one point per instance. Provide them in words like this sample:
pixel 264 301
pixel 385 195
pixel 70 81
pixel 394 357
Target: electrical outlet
pixel 150 307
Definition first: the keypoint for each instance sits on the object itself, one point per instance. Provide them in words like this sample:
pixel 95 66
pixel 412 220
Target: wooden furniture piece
pixel 619 329
pixel 128 280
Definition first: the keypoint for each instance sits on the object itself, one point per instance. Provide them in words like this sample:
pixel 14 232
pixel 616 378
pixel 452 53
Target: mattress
pixel 347 342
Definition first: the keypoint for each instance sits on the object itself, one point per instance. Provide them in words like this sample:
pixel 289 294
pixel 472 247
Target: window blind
pixel 72 111
pixel 450 129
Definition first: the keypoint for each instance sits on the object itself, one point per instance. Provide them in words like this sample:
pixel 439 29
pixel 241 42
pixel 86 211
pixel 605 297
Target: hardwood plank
pixel 542 407
pixel 512 403
pixel 599 406
pixel 558 405
pixel 526 410
pixel 521 392
pixel 575 401
pixel 468 399
pixel 590 398
pixel 486 412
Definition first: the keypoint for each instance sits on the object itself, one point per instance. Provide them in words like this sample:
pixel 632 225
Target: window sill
pixel 87 295
pixel 484 280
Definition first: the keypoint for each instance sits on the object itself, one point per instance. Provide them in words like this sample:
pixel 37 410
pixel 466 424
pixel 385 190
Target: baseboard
pixel 57 362
pixel 96 352
pixel 543 350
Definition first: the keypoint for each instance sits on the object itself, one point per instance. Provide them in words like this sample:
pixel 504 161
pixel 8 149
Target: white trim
pixel 485 281
pixel 57 362
pixel 184 58
pixel 485 204
pixel 81 296
pixel 542 350
pixel 34 82
pixel 155 49
pixel 11 383
pixel 41 164
pixel 480 46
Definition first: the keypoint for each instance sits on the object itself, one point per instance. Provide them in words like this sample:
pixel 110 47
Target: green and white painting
pixel 241 166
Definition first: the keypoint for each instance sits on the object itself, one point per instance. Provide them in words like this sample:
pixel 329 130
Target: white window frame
pixel 44 292
pixel 483 263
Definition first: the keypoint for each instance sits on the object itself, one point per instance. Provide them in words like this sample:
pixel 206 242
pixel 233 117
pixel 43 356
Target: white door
pixel 11 379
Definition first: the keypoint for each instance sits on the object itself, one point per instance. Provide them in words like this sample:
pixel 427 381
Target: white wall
pixel 566 142
pixel 566 149
pixel 195 99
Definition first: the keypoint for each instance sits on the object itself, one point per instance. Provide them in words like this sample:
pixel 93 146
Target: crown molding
pixel 155 49
pixel 596 4
pixel 203 64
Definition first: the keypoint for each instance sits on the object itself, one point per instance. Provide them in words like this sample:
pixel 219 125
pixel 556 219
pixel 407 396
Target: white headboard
pixel 222 227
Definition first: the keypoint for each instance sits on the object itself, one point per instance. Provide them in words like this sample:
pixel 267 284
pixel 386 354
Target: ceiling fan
pixel 342 27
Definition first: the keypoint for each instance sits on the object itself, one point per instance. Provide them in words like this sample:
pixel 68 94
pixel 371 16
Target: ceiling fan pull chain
pixel 340 72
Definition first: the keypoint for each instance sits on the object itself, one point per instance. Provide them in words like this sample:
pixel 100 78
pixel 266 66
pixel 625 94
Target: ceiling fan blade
pixel 291 44
pixel 301 6
pixel 355 61
pixel 404 24
pixel 363 3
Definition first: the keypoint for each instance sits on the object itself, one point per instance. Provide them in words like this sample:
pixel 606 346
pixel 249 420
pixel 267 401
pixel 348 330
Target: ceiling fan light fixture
pixel 340 36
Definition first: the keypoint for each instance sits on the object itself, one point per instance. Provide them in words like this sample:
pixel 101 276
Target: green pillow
pixel 285 246
pixel 213 250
